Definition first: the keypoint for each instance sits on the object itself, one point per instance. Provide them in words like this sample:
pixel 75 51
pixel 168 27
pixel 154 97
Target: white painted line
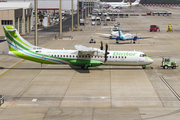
pixel 34 100
pixel 27 105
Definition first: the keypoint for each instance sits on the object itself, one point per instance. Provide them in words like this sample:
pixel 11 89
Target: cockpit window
pixel 143 55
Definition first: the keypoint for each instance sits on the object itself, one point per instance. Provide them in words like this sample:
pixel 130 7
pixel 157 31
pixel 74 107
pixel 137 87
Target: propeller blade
pixel 101 45
pixel 106 52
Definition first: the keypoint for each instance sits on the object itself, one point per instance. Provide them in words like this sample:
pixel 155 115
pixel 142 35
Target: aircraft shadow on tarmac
pixel 78 69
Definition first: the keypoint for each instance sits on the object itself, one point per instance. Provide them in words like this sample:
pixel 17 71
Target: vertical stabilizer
pixel 15 41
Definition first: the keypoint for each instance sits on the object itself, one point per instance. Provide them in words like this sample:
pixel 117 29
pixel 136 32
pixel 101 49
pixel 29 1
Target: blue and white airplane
pixel 119 36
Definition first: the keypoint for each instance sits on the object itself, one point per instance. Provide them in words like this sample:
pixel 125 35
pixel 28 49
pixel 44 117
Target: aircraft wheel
pixel 143 67
pixel 86 67
pixel 134 42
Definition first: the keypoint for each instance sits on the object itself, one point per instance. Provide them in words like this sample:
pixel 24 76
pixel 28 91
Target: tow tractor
pixel 166 63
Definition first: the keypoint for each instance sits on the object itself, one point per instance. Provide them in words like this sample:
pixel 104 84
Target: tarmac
pixel 35 91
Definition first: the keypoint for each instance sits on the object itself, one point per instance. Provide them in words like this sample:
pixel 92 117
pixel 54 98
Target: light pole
pixel 85 10
pixel 88 7
pixel 82 8
pixel 35 35
pixel 72 13
pixel 60 18
pixel 78 13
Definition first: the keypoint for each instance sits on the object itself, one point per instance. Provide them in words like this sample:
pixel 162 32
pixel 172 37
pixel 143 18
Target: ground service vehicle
pixel 166 62
pixel 169 28
pixel 81 21
pixel 154 28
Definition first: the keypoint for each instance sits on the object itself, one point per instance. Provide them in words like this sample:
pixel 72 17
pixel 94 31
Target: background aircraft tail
pixel 137 1
pixel 15 41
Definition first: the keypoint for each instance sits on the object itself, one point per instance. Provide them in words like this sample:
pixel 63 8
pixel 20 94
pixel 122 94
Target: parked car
pixel 105 23
pixel 154 28
pixel 98 23
pixel 93 23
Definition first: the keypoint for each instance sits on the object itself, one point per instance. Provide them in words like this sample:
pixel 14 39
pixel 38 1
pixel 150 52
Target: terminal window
pixel 6 22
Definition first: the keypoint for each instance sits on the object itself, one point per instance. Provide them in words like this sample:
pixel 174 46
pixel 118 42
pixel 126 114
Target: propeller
pixel 101 47
pixel 106 52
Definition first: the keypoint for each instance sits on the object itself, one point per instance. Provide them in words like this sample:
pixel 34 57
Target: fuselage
pixel 72 57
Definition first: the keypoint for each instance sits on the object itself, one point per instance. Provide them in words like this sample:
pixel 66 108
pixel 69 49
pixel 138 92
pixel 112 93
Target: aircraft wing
pixel 104 34
pixel 89 51
pixel 109 37
pixel 144 37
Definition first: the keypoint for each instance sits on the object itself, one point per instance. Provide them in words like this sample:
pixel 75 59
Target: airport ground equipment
pixel 170 28
pixel 166 63
pixel 1 99
pixel 92 41
pixel 82 21
pixel 154 28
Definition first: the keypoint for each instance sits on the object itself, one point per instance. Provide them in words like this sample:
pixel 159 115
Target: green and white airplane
pixel 83 56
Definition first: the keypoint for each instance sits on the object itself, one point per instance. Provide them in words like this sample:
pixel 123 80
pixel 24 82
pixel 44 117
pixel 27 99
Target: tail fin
pixel 15 41
pixel 137 1
pixel 119 33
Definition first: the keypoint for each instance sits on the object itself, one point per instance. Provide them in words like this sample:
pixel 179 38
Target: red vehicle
pixel 79 9
pixel 154 28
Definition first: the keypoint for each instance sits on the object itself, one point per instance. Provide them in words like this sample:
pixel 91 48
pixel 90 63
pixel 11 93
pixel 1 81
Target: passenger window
pixel 94 56
pixel 57 55
pixel 82 56
pixel 85 56
pixel 116 56
pixel 73 55
pixel 66 55
pixel 51 55
pixel 69 55
pixel 122 56
pixel 63 55
pixel 54 55
pixel 125 56
pixel 113 56
pixel 119 56
pixel 110 56
pixel 91 56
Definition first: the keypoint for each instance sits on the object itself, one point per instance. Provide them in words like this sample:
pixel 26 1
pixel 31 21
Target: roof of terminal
pixel 15 5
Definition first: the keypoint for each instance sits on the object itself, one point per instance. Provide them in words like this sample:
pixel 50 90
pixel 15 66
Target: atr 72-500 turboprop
pixel 83 56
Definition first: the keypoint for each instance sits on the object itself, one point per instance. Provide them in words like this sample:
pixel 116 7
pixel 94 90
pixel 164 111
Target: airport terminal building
pixel 16 14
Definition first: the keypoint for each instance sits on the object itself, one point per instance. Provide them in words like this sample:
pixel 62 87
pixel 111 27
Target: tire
pixel 86 67
pixel 143 67
pixel 117 42
pixel 174 67
pixel 165 67
pixel 134 42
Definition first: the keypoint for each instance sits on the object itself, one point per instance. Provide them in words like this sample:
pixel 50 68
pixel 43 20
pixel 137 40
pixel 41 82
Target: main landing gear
pixel 85 67
pixel 144 67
